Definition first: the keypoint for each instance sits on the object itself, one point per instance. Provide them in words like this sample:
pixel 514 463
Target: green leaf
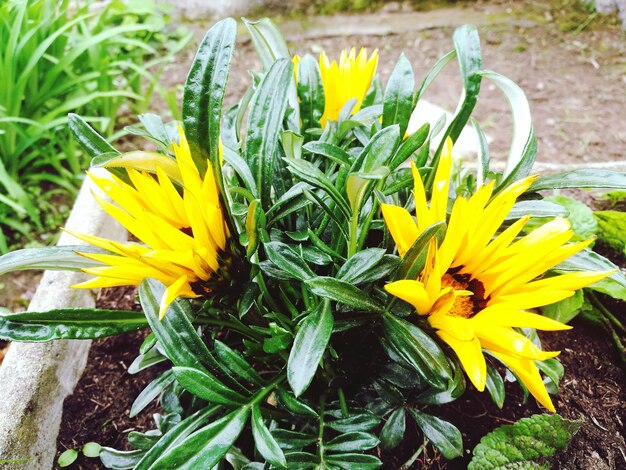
pixel 265 119
pixel 288 260
pixel 398 97
pixel 67 458
pixel 409 146
pixel 442 434
pixel 92 449
pixel 90 141
pixel 204 93
pixel 152 390
pixel 357 441
pixel 264 441
pixel 308 348
pixel 495 386
pixel 393 430
pixel 310 92
pixel 50 257
pixel 207 387
pixel 536 209
pixel 419 350
pixel 340 291
pixel 69 324
pixel 378 151
pixel 311 174
pixel 355 422
pixel 174 436
pixel 205 447
pixel 359 264
pixel 292 404
pixel 180 340
pixel 236 363
pixel 612 229
pixel 565 310
pixel 525 444
pixel 582 178
pixel 351 461
pixel 413 261
pixel 292 144
pixel 334 153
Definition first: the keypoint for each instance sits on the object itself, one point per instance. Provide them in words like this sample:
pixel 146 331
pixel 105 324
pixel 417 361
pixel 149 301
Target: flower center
pixel 465 306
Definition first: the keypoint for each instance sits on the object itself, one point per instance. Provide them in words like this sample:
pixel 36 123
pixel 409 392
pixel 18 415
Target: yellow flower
pixel 477 286
pixel 184 235
pixel 346 80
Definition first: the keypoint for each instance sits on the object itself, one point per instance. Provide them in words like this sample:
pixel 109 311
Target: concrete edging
pixel 37 377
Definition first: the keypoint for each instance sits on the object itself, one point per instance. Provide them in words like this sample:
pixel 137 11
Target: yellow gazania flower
pixel 476 287
pixel 184 236
pixel 346 80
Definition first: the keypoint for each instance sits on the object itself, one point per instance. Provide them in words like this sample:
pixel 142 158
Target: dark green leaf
pixel 358 264
pixel 419 350
pixel 265 118
pixel 409 146
pixel 495 386
pixel 525 444
pixel 393 430
pixel 360 422
pixel 290 440
pixel 292 404
pixel 69 324
pixel 205 447
pixel 236 363
pixel 612 229
pixel 398 97
pixel 144 440
pixel 343 292
pixel 175 332
pixel 351 461
pixel 288 260
pixel 352 442
pixel 443 435
pixel 144 361
pixel 204 93
pixel 565 310
pixel 308 348
pixel 310 92
pixel 415 257
pixel 207 387
pixel 264 442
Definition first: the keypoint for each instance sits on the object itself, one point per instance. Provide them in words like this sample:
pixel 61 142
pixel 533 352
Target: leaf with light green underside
pixel 308 348
pixel 90 141
pixel 580 215
pixel 527 444
pixel 393 430
pixel 495 386
pixel 565 310
pixel 582 178
pixel 612 229
pixel 62 258
pixel 360 263
pixel 286 258
pixel 152 390
pixel 207 387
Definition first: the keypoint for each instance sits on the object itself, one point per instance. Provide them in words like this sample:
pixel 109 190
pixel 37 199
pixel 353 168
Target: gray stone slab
pixel 37 377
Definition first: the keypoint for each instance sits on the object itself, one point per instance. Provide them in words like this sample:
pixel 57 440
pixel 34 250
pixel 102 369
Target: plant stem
pixel 320 435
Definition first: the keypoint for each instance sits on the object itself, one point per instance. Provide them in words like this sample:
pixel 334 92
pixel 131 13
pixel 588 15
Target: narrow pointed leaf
pixel 264 441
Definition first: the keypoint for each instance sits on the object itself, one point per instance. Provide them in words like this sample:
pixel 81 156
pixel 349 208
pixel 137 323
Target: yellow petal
pixel 471 357
pixel 171 293
pixel 401 226
pixel 412 292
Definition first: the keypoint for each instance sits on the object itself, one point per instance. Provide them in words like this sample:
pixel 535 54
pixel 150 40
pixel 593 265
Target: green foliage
pixel 296 347
pixel 612 229
pixel 527 444
pixel 53 60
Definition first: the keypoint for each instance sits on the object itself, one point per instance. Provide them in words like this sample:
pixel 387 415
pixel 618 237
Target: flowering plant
pixel 315 271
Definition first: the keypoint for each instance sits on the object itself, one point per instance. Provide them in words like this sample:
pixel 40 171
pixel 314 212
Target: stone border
pixel 37 377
